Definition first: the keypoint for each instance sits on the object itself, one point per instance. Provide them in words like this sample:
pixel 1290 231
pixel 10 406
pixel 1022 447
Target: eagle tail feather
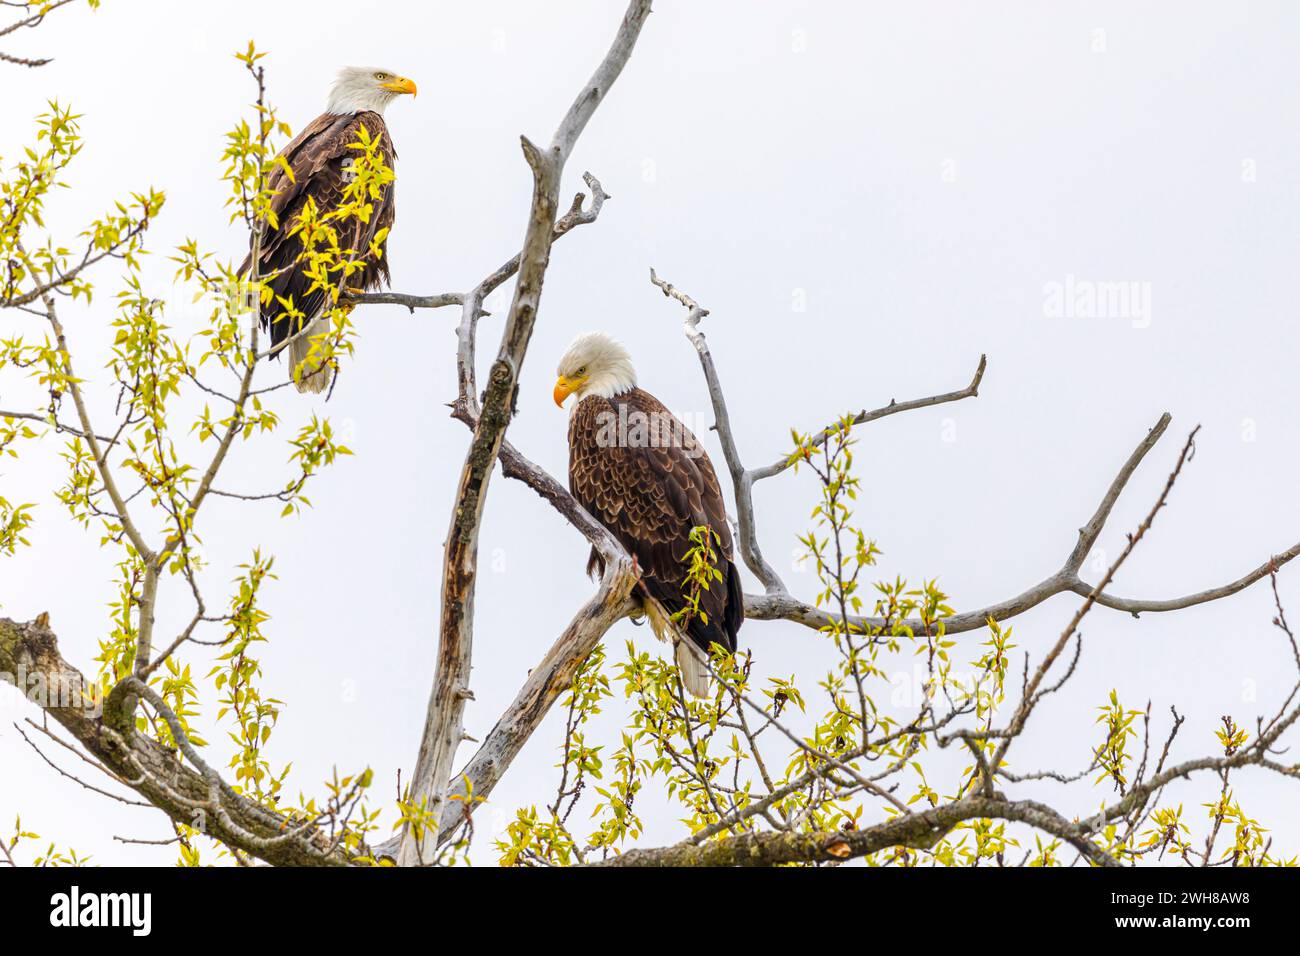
pixel 314 378
pixel 694 669
pixel 691 661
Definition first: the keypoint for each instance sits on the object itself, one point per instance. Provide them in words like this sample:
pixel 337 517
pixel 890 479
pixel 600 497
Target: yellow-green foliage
pixel 830 754
pixel 142 451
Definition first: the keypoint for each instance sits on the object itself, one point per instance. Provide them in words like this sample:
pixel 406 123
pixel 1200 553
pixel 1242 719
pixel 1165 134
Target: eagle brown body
pixel 319 159
pixel 651 488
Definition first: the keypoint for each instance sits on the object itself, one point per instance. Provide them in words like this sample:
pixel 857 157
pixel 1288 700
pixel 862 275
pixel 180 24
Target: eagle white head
pixel 360 88
pixel 595 364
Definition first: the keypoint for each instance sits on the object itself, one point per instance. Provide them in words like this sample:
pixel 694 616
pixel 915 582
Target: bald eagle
pixel 319 160
pixel 642 474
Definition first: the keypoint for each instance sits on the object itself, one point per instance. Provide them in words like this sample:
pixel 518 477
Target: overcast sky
pixel 867 196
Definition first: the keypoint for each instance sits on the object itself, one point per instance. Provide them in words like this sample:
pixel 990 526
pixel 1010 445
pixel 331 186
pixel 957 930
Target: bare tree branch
pixel 546 681
pixel 1031 696
pixel 778 604
pixel 579 214
pixel 60 427
pixel 444 727
pixel 36 11
pixel 411 302
pixel 918 830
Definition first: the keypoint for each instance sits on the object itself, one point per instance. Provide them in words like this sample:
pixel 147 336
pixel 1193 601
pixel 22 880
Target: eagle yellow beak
pixel 564 387
pixel 400 85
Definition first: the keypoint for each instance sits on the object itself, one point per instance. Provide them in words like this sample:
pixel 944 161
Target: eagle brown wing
pixel 318 159
pixel 650 489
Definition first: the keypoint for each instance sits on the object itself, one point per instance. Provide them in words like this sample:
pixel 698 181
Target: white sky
pixel 910 175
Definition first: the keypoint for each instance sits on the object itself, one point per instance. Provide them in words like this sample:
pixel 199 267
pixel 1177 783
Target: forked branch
pixel 777 603
pixel 444 722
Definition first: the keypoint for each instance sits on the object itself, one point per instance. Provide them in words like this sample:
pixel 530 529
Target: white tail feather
pixel 690 659
pixel 315 379
pixel 695 672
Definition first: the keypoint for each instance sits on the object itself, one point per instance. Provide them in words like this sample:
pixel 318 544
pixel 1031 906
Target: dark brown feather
pixel 650 491
pixel 318 158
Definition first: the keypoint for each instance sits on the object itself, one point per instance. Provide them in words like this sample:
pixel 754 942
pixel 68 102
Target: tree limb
pixel 444 727
pixel 30 660
pixel 918 831
pixel 777 603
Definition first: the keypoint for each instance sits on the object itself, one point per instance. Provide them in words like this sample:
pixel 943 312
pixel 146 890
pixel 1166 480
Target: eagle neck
pixel 352 102
pixel 598 398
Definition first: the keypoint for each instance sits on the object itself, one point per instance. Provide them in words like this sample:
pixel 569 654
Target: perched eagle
pixel 641 473
pixel 319 160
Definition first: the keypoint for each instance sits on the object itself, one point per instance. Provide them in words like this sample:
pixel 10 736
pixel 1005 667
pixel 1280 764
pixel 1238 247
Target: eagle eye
pixel 583 370
pixel 381 76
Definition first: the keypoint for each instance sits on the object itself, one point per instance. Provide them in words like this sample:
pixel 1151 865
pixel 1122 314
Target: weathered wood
pixel 444 726
pixel 918 830
pixel 30 660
